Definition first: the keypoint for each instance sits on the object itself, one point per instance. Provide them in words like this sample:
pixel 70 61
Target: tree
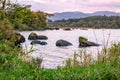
pixel 21 16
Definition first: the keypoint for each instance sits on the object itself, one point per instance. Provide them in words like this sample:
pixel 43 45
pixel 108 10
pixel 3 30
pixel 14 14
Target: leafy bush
pixel 6 29
pixel 21 26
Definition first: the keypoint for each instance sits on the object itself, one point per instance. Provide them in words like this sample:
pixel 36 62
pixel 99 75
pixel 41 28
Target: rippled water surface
pixel 55 56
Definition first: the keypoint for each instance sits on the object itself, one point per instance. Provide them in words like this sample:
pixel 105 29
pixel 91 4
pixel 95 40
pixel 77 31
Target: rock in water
pixel 43 43
pixel 38 42
pixel 42 37
pixel 83 42
pixel 61 43
pixel 32 36
pixel 87 44
pixel 35 42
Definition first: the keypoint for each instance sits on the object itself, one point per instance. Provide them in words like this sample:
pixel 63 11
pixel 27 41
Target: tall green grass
pixel 80 67
pixel 106 67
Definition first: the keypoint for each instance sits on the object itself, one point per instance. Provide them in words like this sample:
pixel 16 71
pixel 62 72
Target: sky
pixel 87 6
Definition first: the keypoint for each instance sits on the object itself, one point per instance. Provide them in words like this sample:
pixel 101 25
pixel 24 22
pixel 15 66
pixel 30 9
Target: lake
pixel 55 56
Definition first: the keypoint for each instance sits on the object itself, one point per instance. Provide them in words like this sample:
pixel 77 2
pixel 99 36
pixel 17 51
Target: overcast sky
pixel 87 6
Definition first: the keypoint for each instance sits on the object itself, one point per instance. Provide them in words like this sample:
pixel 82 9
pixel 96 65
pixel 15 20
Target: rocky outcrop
pixel 61 43
pixel 32 36
pixel 83 42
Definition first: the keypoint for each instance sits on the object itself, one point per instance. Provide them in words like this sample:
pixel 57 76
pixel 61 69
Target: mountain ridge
pixel 76 14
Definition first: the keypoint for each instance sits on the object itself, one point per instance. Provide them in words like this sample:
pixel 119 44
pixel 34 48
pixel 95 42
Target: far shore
pixel 64 28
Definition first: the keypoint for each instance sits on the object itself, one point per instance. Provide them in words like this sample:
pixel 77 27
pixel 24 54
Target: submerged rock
pixel 61 42
pixel 83 42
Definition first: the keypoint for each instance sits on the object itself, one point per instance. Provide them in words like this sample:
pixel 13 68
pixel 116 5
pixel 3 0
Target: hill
pixel 77 15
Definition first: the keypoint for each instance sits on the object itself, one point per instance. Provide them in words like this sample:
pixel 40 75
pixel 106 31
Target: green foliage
pixel 2 14
pixel 6 29
pixel 11 64
pixel 22 18
pixel 106 67
pixel 21 26
pixel 41 19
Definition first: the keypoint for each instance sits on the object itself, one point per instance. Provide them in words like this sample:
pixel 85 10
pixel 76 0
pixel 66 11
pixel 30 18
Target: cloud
pixel 73 5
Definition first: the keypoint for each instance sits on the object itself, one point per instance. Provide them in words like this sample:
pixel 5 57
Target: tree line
pixel 88 22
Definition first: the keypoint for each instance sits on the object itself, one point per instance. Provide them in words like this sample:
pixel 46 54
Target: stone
pixel 43 43
pixel 83 42
pixel 42 37
pixel 32 36
pixel 35 42
pixel 61 43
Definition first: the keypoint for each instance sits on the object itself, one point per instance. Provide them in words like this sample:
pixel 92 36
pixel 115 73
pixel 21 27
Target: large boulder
pixel 35 42
pixel 42 37
pixel 61 43
pixel 83 42
pixel 32 36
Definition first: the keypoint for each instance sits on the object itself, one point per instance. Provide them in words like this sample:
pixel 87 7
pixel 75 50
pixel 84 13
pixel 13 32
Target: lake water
pixel 55 56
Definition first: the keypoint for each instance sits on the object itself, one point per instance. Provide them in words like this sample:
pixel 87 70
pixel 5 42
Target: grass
pixel 81 67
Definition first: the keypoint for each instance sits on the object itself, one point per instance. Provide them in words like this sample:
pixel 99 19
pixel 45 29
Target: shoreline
pixel 70 28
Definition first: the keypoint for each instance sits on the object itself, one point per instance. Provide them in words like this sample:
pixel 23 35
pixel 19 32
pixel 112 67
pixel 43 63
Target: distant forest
pixel 88 22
